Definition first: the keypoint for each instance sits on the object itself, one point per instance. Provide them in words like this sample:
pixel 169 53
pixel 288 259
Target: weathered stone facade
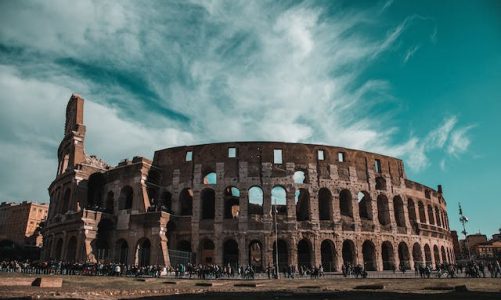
pixel 331 205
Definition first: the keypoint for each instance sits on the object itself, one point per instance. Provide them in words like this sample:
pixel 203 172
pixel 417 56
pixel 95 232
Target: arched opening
pixel 403 255
pixel 104 235
pixel 348 252
pixel 436 255
pixel 95 191
pixel 387 256
pixel 143 252
pixel 444 256
pixel 71 250
pixel 210 178
pixel 230 253
pixel 345 203
pixel 328 256
pixel 398 210
pixel 186 202
pixel 299 177
pixel 411 208
pixel 302 198
pixel 427 254
pixel 184 245
pixel 256 255
pixel 208 198
pixel 256 198
pixel 110 199
pixel 59 250
pixel 417 255
pixel 122 251
pixel 369 254
pixel 437 217
pixel 283 254
pixel 279 200
pixel 364 206
pixel 207 252
pixel 431 219
pixel 324 204
pixel 231 202
pixel 166 202
pixel 422 216
pixel 66 201
pixel 383 210
pixel 304 253
pixel 380 183
pixel 126 197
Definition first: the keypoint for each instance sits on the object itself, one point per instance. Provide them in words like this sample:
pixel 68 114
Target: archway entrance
pixel 71 249
pixel 207 252
pixel 122 251
pixel 403 255
pixel 387 256
pixel 256 255
pixel 427 254
pixel 304 253
pixel 328 255
pixel 348 252
pixel 417 255
pixel 369 254
pixel 283 254
pixel 230 253
pixel 143 252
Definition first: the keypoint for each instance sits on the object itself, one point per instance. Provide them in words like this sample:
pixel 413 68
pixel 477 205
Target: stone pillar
pixel 317 251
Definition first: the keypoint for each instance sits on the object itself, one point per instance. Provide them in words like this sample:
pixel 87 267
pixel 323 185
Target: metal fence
pixel 181 257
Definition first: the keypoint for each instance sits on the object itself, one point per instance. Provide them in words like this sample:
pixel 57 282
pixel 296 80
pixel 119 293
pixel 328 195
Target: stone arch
pixel 387 255
pixel 231 202
pixel 283 254
pixel 304 253
pixel 230 252
pixel 417 255
pixel 143 252
pixel 398 210
pixel 403 255
pixel 349 252
pixel 126 198
pixel 411 208
pixel 105 229
pixel 71 250
pixel 422 215
pixel 364 206
pixel 431 219
pixel 95 191
pixel 256 255
pixel 302 198
pixel 58 252
pixel 427 254
pixel 210 178
pixel 166 202
pixel 328 256
pixel 66 201
pixel 437 217
pixel 207 251
pixel 186 202
pixel 346 203
pixel 444 256
pixel 383 210
pixel 122 251
pixel 299 177
pixel 208 204
pixel 436 255
pixel 110 202
pixel 325 205
pixel 369 255
pixel 256 200
pixel 279 200
pixel 380 183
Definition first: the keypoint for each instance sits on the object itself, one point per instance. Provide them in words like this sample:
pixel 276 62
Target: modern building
pixel 242 203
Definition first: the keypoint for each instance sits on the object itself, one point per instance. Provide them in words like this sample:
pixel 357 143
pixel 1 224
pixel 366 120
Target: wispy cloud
pixel 410 53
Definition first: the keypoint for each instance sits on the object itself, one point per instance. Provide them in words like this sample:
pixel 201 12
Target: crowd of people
pixel 473 269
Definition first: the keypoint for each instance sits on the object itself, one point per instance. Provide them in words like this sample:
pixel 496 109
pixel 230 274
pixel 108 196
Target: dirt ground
pixel 85 287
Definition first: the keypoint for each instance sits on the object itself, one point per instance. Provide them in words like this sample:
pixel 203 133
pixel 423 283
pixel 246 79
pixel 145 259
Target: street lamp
pixel 275 212
pixel 463 219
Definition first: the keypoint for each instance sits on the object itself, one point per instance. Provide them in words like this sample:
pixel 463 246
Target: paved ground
pixel 340 288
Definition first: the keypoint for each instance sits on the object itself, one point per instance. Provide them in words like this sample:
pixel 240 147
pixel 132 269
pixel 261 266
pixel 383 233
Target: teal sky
pixel 419 80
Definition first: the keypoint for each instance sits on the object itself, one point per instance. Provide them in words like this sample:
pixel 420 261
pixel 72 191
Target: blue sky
pixel 418 80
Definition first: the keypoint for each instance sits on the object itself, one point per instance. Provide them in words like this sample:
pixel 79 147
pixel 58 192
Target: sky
pixel 418 80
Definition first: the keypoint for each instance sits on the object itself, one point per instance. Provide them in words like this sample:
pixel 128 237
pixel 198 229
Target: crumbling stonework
pixel 332 205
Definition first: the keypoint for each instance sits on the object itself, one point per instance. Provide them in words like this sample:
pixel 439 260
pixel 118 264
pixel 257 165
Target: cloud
pixel 180 72
pixel 410 53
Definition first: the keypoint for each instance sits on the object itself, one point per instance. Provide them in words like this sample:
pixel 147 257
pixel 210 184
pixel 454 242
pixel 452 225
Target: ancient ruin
pixel 239 203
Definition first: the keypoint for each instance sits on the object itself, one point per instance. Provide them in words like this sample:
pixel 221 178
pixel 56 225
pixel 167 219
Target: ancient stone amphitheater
pixel 238 202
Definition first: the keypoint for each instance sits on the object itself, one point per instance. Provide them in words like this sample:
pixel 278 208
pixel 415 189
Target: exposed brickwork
pixel 398 220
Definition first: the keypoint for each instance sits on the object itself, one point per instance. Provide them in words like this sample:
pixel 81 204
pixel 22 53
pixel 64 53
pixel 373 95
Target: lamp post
pixel 463 219
pixel 277 275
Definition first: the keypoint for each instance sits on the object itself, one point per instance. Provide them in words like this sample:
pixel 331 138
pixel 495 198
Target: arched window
pixel 380 183
pixel 95 191
pixel 302 198
pixel 126 197
pixel 66 201
pixel 398 210
pixel 255 201
pixel 345 203
pixel 422 216
pixel 299 177
pixel 208 199
pixel 231 202
pixel 166 202
pixel 412 211
pixel 186 202
pixel 431 219
pixel 210 178
pixel 279 200
pixel 325 204
pixel 383 210
pixel 437 217
pixel 364 206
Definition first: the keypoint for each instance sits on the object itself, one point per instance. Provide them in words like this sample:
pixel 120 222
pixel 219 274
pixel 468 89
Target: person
pixel 117 270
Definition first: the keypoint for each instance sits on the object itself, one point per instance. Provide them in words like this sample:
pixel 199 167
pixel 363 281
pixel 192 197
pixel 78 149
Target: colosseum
pixel 241 203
